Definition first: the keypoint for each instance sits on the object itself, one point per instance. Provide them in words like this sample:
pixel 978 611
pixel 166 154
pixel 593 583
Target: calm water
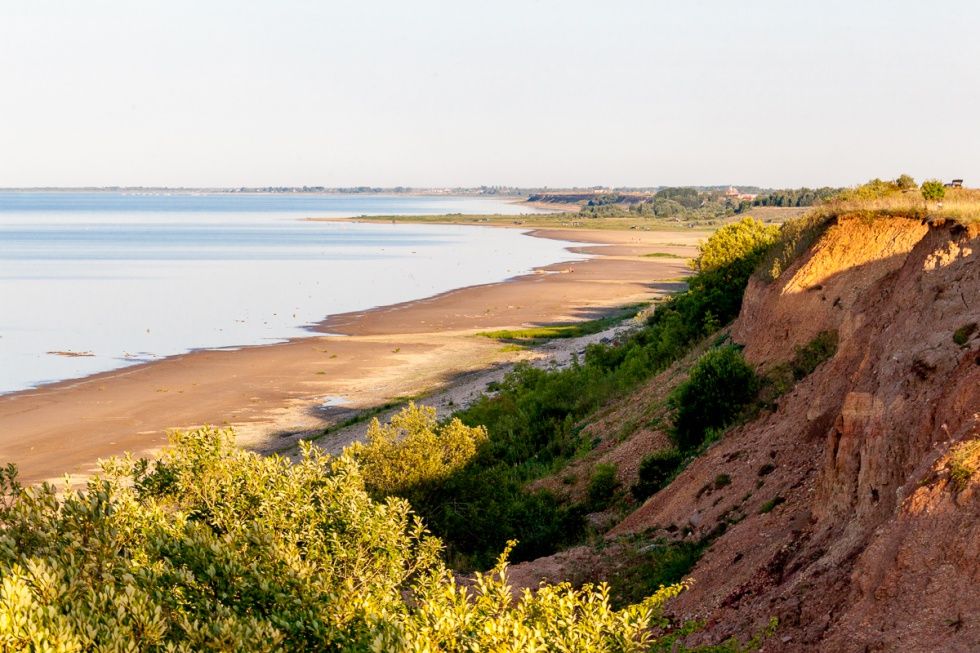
pixel 131 278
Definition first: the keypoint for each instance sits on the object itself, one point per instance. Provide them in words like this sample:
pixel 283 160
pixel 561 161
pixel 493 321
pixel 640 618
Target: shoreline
pixel 274 393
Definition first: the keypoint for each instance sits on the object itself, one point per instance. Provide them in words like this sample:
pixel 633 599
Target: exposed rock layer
pixel 842 520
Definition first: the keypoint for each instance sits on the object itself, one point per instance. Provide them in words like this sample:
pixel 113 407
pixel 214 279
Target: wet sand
pixel 272 392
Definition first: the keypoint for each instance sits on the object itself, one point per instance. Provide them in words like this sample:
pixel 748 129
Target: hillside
pixel 849 507
pixel 783 456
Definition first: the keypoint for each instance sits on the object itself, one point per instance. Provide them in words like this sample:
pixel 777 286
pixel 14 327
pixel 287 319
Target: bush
pixel 721 383
pixel 906 183
pixel 808 357
pixel 873 190
pixel 656 470
pixel 794 238
pixel 933 190
pixel 412 453
pixel 481 505
pixel 962 335
pixel 654 566
pixel 602 486
pixel 216 548
pixel 738 243
pixel 963 463
pixel 771 504
pixel 534 418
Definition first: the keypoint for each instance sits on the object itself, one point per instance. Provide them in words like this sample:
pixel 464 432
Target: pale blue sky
pixel 229 93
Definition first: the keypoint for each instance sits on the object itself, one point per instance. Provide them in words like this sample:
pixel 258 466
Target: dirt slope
pixel 841 517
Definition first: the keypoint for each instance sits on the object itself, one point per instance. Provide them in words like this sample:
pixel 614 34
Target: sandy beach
pixel 274 394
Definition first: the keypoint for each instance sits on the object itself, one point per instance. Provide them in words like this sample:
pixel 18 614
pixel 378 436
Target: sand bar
pixel 273 391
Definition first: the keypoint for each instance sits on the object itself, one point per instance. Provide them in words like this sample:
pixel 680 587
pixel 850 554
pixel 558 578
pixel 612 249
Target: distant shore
pixel 275 393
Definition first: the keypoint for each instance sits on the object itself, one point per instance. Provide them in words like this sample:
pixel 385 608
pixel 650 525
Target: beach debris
pixel 71 354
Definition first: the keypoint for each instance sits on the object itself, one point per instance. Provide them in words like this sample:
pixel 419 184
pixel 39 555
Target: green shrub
pixel 779 380
pixel 602 486
pixel 721 383
pixel 933 190
pixel 809 356
pixel 216 548
pixel 533 418
pixel 906 183
pixel 654 566
pixel 875 189
pixel 962 335
pixel 656 470
pixel 794 238
pixel 735 244
pixel 963 463
pixel 411 453
pixel 769 505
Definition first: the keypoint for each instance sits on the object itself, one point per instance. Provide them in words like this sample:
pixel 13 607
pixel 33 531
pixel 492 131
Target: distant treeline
pixel 796 196
pixel 685 203
pixel 676 203
pixel 590 198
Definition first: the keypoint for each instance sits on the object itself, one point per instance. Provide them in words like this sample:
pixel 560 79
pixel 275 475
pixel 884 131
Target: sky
pixel 557 93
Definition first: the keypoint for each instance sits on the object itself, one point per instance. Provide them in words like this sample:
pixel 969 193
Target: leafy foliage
pixel 771 504
pixel 736 247
pixel 808 357
pixel 571 330
pixel 794 238
pixel 963 463
pixel 533 417
pixel 652 567
pixel 933 190
pixel 721 383
pixel 215 548
pixel 872 190
pixel 795 197
pixel 413 452
pixel 656 470
pixel 905 183
pixel 602 486
pixel 963 334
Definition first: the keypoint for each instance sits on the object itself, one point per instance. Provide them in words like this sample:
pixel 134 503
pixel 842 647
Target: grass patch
pixel 781 378
pixel 656 471
pixel 561 220
pixel 795 237
pixel 569 330
pixel 769 505
pixel 809 356
pixel 963 463
pixel 871 201
pixel 651 567
pixel 602 486
pixel 663 255
pixel 363 416
pixel 573 330
pixel 962 335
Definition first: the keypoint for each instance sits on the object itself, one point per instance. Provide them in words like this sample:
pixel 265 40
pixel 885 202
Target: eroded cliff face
pixel 841 518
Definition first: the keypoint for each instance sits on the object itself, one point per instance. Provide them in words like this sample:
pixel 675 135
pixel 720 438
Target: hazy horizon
pixel 440 94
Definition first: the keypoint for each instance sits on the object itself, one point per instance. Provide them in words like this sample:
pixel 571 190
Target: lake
pixel 96 281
